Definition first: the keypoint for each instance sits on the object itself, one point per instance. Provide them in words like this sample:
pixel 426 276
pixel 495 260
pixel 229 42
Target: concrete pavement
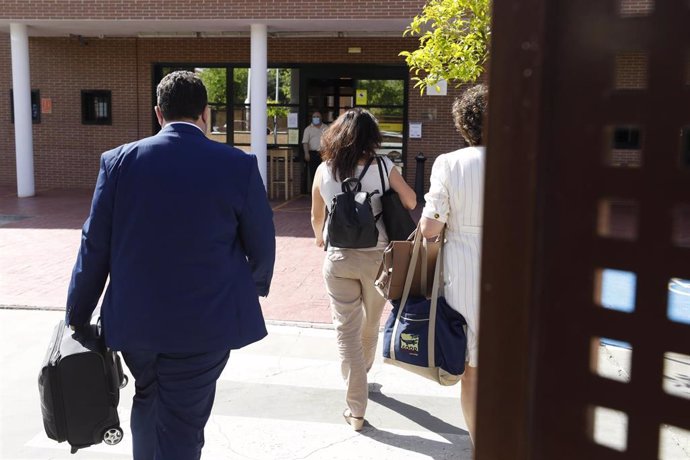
pixel 279 399
pixel 282 399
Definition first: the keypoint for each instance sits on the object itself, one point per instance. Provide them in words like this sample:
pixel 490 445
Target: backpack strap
pixel 382 167
pixel 383 182
pixel 355 183
pixel 361 176
pixel 351 184
pixel 366 168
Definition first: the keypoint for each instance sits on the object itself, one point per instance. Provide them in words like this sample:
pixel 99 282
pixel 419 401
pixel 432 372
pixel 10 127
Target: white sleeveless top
pixel 371 181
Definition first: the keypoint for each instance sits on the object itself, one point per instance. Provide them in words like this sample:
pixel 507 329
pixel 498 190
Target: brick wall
pixel 66 152
pixel 208 9
pixel 7 158
pixel 438 130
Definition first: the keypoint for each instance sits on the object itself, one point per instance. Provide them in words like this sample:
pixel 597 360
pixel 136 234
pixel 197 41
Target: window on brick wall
pixel 35 106
pixel 96 107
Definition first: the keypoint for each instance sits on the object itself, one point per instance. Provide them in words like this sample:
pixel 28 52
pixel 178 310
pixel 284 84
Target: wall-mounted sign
pixel 439 89
pixel 46 105
pixel 415 130
pixel 293 136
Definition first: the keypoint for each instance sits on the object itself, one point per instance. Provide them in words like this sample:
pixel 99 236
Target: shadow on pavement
pixel 459 445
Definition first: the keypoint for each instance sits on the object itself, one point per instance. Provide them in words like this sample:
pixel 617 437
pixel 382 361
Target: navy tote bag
pixel 425 335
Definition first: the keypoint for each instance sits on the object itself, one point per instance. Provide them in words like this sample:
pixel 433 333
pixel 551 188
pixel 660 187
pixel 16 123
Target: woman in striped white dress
pixel 455 199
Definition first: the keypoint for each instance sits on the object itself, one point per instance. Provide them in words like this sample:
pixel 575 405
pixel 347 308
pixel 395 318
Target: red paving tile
pixel 37 254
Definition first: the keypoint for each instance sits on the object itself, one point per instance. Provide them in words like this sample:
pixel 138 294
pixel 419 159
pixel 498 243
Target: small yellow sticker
pixel 361 97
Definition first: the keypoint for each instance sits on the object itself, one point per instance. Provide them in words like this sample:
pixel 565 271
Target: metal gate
pixel 588 175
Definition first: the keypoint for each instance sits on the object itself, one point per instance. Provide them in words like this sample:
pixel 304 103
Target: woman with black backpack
pixel 345 195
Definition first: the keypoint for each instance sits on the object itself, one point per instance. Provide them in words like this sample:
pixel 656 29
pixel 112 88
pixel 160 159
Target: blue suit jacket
pixel 183 227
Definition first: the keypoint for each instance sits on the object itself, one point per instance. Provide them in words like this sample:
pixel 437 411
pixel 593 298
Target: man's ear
pixel 159 116
pixel 206 119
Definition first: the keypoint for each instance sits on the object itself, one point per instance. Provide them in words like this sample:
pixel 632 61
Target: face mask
pixel 316 120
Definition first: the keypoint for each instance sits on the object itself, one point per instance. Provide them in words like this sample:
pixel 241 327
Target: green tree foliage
pixel 240 76
pixel 215 83
pixel 383 92
pixel 454 41
pixel 283 85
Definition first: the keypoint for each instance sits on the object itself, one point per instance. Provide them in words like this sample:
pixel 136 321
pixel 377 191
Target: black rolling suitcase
pixel 79 385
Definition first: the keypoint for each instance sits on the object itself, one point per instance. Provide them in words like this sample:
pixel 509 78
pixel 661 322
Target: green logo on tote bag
pixel 409 343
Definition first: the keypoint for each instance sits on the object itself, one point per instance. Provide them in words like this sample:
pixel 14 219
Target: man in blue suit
pixel 182 226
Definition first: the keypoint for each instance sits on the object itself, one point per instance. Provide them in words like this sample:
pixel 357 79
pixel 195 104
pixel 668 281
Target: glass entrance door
pixel 323 95
pixel 215 80
pixel 384 98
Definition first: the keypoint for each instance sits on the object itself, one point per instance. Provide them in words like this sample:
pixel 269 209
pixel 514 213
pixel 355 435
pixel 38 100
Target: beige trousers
pixel 356 308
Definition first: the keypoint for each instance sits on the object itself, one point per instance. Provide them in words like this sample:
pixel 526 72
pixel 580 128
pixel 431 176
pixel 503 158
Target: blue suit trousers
pixel 173 401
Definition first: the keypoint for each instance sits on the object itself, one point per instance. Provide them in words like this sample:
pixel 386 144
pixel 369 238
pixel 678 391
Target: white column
pixel 21 90
pixel 259 70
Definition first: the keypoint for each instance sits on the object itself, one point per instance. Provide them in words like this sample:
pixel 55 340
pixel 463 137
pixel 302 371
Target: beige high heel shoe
pixel 357 423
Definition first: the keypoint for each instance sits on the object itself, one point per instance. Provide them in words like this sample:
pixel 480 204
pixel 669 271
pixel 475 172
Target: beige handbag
pixel 390 280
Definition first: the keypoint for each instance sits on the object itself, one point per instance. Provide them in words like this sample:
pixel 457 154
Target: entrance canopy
pixel 208 27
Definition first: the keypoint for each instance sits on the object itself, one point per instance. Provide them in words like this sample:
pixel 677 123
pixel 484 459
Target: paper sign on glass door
pixel 293 136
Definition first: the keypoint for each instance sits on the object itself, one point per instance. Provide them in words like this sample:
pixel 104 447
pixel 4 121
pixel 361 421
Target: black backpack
pixel 351 222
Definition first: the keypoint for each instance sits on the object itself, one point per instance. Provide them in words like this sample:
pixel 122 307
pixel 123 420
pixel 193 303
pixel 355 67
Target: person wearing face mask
pixel 311 143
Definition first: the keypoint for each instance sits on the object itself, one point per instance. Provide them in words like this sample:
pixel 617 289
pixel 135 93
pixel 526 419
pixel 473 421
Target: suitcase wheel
pixel 113 435
pixel 123 384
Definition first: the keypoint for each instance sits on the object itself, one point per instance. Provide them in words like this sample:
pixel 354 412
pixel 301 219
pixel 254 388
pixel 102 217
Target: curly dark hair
pixel 468 113
pixel 354 136
pixel 181 94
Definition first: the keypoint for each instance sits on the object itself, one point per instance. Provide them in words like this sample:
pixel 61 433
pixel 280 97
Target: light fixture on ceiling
pixel 80 38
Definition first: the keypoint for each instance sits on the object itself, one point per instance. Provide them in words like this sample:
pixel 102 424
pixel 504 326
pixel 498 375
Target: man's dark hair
pixel 181 94
pixel 468 113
